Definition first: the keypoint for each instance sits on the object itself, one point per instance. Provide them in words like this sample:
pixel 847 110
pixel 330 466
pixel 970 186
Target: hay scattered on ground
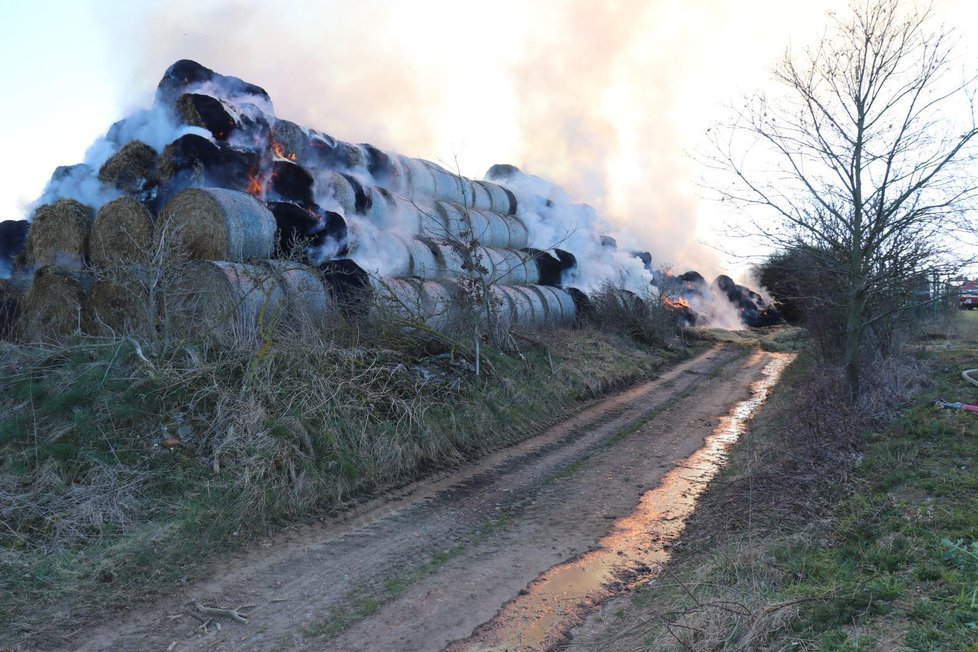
pixel 132 169
pixel 52 307
pixel 59 235
pixel 121 234
pixel 216 224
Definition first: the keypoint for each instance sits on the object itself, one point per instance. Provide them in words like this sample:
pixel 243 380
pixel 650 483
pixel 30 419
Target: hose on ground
pixel 966 374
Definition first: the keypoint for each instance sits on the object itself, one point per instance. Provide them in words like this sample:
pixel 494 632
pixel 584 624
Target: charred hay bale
pixel 194 161
pixel 324 151
pixel 380 166
pixel 118 304
pixel 13 238
pixel 348 284
pixel 187 161
pixel 132 169
pixel 179 76
pixel 216 224
pixel 362 201
pixel 51 308
pixel 186 74
pixel 289 140
pixel 223 300
pixel 207 112
pixel 549 268
pixel 290 183
pixel 294 228
pixel 59 235
pixel 121 234
pixel 645 257
pixel 308 231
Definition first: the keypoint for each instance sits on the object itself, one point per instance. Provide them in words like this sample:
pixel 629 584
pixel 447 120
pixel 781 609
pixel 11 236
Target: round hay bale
pixel 216 224
pixel 289 140
pixel 224 300
pixel 52 307
pixel 118 304
pixel 348 284
pixel 290 182
pixel 121 234
pixel 132 169
pixel 190 155
pixel 549 267
pixel 187 74
pixel 334 190
pixel 10 298
pixel 306 297
pixel 59 235
pixel 324 151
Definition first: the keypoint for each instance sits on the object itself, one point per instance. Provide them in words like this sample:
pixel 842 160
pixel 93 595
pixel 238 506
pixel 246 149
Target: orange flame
pixel 281 153
pixel 255 186
pixel 679 303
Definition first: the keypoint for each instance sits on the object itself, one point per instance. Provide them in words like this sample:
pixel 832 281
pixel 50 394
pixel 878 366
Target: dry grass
pixel 123 466
pixel 644 319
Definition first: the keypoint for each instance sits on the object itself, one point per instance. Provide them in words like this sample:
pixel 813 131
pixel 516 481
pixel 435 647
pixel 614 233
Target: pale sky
pixel 604 98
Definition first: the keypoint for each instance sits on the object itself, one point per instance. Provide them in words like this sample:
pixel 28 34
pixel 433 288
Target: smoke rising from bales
pixel 572 91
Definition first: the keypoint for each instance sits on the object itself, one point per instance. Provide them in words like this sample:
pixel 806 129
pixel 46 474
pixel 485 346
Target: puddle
pixel 630 556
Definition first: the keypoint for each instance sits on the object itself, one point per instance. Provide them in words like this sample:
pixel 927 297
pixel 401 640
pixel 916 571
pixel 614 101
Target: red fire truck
pixel 968 295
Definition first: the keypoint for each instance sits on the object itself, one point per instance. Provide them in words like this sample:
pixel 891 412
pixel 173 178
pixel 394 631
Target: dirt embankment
pixel 428 567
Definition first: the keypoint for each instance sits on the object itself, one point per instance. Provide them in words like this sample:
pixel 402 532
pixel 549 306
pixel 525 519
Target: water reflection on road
pixel 634 551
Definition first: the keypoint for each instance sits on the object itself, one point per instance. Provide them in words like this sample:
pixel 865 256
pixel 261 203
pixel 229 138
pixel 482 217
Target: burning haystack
pixel 265 220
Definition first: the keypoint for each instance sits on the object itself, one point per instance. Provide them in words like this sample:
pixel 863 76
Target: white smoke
pixel 714 310
pixel 154 126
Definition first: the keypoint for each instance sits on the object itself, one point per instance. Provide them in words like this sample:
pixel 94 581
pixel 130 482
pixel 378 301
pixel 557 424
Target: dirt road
pixel 433 566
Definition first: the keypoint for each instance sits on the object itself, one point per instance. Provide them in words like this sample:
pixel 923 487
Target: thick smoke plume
pixel 581 92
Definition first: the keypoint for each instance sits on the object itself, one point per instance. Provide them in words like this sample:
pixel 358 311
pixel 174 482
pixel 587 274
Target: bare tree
pixel 859 159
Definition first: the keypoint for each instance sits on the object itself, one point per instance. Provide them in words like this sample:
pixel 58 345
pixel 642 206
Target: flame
pixel 678 303
pixel 255 186
pixel 280 152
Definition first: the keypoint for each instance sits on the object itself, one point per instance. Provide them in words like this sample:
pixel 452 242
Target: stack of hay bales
pixel 194 241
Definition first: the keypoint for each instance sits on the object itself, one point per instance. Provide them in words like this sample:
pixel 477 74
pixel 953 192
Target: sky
pixel 607 99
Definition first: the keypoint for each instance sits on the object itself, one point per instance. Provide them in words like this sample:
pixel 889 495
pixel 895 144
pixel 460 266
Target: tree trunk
pixel 855 312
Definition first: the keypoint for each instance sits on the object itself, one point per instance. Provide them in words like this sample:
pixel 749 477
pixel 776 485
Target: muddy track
pixel 425 568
